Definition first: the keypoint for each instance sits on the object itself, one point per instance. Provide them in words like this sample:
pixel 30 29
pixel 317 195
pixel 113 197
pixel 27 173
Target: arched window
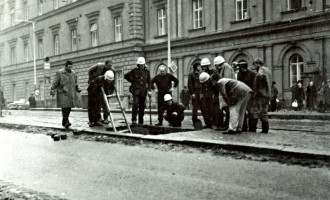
pixel 296 68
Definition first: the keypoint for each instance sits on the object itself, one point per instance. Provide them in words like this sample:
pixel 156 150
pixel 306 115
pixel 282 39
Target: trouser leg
pixel 95 101
pixel 234 112
pixel 65 115
pixel 142 100
pixel 160 100
pixel 242 111
pixel 196 106
pixel 206 111
pixel 264 115
pixel 135 107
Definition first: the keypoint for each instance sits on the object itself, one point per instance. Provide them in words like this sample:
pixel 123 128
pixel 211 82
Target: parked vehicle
pixel 21 104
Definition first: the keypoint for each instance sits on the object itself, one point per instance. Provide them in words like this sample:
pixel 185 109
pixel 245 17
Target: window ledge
pixel 197 29
pixel 240 21
pixel 160 36
pixel 294 10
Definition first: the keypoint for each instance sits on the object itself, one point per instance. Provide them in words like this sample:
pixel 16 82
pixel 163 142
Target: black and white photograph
pixel 164 99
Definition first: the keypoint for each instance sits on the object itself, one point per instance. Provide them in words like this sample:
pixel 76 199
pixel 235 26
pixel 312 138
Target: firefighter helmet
pixel 219 60
pixel 204 77
pixel 109 75
pixel 141 61
pixel 205 62
pixel 167 97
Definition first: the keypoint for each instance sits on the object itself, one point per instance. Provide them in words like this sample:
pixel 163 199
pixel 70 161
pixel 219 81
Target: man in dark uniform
pixel 95 99
pixel 194 87
pixel 207 93
pixel 185 97
pixel 139 77
pixel 246 76
pixel 174 111
pixel 32 101
pixel 164 86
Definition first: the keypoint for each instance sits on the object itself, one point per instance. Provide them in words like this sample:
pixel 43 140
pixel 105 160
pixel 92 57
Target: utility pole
pixel 168 35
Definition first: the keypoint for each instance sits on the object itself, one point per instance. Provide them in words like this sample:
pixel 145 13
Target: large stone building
pixel 291 36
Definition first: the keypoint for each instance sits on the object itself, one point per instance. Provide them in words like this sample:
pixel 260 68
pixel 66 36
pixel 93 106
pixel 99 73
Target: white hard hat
pixel 109 75
pixel 205 61
pixel 167 97
pixel 204 77
pixel 219 60
pixel 162 68
pixel 141 61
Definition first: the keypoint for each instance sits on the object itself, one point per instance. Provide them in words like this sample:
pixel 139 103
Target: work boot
pixel 98 123
pixel 134 122
pixel 106 121
pixel 229 132
pixel 253 125
pixel 265 127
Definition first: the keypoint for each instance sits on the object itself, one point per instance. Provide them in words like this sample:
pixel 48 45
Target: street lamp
pixel 34 50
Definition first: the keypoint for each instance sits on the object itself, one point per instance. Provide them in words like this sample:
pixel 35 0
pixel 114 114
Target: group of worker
pixel 224 94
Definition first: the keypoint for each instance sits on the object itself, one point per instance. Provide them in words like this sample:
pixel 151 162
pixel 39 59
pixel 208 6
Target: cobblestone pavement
pixel 298 134
pixel 9 191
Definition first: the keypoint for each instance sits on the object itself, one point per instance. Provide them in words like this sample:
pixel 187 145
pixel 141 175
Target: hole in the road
pixel 151 130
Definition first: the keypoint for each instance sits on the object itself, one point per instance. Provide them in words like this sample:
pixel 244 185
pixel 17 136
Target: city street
pixel 77 169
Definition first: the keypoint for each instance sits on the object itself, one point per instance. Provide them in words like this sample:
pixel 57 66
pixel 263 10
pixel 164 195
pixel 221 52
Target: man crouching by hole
pixel 236 95
pixel 174 111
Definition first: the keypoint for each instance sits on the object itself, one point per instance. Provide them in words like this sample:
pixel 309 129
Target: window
pixel 241 10
pixel 40 8
pixel 198 13
pixel 26 52
pixel 94 35
pixel 119 82
pixel 294 4
pixel 40 48
pixel 296 68
pixel 25 10
pixel 55 4
pixel 73 39
pixel 12 55
pixel 12 17
pixel 161 15
pixel 118 30
pixel 56 44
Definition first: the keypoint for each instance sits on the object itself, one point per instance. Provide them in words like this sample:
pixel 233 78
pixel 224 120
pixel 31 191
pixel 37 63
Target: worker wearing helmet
pixel 194 87
pixel 174 111
pixel 139 77
pixel 99 76
pixel 205 64
pixel 206 99
pixel 163 81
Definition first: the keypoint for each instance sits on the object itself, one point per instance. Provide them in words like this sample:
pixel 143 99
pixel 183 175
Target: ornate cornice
pixel 159 3
pixel 55 28
pixel 116 9
pixel 40 33
pixel 93 16
pixel 12 42
pixel 72 22
pixel 25 37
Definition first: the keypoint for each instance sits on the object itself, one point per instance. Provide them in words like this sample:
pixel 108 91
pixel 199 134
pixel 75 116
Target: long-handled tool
pixel 105 98
pixel 150 110
pixel 123 111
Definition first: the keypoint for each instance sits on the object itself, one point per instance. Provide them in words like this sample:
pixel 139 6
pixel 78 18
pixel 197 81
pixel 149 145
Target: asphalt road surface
pixel 78 169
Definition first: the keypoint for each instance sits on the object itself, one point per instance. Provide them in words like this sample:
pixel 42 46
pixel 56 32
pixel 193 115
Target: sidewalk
pixel 307 138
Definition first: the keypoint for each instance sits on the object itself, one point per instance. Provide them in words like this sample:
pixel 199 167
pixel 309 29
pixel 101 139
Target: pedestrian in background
pixel 247 76
pixel 174 111
pixel 66 85
pixel 194 87
pixel 324 97
pixel 262 94
pixel 236 95
pixel 139 77
pixel 273 99
pixel 163 82
pixel 32 101
pixel 185 97
pixel 294 91
pixel 207 93
pixel 311 96
pixel 96 80
pixel 300 95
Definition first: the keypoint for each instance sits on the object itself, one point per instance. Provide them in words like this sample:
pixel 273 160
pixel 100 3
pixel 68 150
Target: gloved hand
pixel 171 89
pixel 156 90
pixel 52 92
pixel 175 113
pixel 193 96
pixel 149 93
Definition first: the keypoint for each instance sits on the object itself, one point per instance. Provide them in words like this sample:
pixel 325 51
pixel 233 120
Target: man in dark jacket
pixel 262 94
pixel 163 82
pixel 95 99
pixel 246 76
pixel 174 111
pixel 311 94
pixel 300 95
pixel 185 97
pixel 236 95
pixel 194 87
pixel 207 93
pixel 139 77
pixel 32 101
pixel 273 99
pixel 66 84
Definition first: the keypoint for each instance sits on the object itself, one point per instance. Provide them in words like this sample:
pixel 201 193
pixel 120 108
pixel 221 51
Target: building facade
pixel 291 36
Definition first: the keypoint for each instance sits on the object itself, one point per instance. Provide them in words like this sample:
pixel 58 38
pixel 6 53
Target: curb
pixel 233 146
